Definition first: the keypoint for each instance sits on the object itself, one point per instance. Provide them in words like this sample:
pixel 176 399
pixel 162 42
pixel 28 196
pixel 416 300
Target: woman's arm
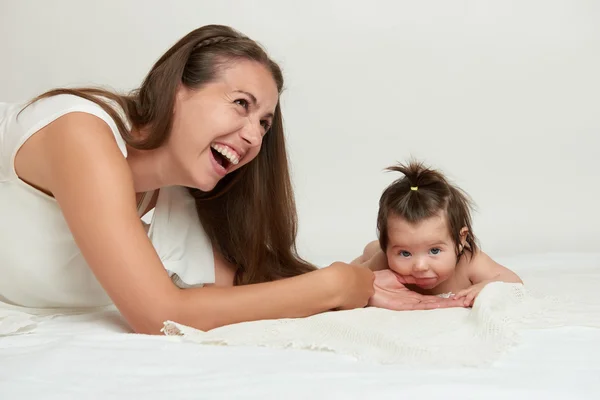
pixel 92 182
pixel 301 296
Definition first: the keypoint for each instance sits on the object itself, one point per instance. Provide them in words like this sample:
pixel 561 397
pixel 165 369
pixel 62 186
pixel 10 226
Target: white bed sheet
pixel 94 356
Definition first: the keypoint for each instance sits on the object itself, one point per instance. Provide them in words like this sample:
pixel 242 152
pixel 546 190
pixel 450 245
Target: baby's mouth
pixel 425 282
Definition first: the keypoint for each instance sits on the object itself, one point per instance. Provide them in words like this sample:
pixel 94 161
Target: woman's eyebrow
pixel 254 101
pixel 252 97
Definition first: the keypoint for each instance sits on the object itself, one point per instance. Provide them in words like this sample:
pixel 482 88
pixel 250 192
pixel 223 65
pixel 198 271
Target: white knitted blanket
pixel 443 337
pixel 559 291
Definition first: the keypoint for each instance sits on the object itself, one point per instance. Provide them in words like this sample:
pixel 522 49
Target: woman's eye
pixel 435 251
pixel 242 102
pixel 404 253
pixel 265 124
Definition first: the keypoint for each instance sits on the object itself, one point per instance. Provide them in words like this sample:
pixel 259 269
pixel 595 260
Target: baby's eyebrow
pixel 437 244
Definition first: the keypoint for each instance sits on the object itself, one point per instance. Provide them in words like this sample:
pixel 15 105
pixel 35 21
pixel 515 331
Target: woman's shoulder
pixel 31 118
pixel 21 122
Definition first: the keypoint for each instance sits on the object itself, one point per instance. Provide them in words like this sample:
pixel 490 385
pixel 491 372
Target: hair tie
pixel 415 188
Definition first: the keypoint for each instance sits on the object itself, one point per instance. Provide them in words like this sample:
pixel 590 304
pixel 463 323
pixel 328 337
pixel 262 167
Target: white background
pixel 504 96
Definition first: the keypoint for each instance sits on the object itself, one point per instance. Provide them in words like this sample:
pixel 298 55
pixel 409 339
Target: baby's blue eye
pixel 404 253
pixel 435 251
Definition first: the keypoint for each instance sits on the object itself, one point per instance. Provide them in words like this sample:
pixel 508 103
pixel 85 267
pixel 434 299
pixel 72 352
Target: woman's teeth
pixel 227 152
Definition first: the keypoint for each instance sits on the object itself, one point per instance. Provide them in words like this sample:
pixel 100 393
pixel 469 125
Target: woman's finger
pixel 430 304
pixel 436 305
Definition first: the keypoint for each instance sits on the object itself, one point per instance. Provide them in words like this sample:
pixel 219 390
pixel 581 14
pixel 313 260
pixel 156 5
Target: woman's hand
pixel 391 293
pixel 353 285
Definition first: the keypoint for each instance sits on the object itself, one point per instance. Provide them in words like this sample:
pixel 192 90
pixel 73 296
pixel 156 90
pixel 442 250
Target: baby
pixel 426 239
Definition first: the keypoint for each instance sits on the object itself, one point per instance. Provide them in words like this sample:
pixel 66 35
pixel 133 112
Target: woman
pixel 79 167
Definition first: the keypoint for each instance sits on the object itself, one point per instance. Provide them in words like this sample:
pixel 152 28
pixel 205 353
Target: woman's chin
pixel 206 187
pixel 203 183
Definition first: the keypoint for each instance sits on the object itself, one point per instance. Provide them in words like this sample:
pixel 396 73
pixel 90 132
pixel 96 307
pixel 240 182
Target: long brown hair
pixel 423 193
pixel 250 215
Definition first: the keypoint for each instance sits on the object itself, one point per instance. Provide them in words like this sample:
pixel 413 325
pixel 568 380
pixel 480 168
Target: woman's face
pixel 219 127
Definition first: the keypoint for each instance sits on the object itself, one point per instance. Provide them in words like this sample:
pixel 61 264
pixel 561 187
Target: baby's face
pixel 423 251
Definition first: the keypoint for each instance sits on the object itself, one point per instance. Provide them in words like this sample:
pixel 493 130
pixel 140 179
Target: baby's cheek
pixel 396 267
pixel 448 269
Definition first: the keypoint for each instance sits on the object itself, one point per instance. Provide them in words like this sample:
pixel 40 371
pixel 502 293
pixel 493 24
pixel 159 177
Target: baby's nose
pixel 420 265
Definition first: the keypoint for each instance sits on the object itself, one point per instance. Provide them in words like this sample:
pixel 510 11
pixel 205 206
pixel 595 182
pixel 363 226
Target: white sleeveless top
pixel 40 264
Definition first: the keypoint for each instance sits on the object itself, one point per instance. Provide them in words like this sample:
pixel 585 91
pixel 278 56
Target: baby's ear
pixel 463 235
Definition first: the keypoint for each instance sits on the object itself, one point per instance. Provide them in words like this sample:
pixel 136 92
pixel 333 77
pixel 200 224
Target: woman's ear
pixel 182 93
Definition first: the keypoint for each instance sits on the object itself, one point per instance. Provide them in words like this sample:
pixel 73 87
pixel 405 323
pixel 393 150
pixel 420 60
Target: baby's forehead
pixel 425 232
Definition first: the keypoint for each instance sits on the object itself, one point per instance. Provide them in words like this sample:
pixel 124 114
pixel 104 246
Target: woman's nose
pixel 251 133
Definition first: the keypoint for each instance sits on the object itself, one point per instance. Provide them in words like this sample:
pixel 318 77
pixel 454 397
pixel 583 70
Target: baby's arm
pixel 373 257
pixel 481 270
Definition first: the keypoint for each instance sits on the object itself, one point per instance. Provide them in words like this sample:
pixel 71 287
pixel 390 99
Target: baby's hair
pixel 423 193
